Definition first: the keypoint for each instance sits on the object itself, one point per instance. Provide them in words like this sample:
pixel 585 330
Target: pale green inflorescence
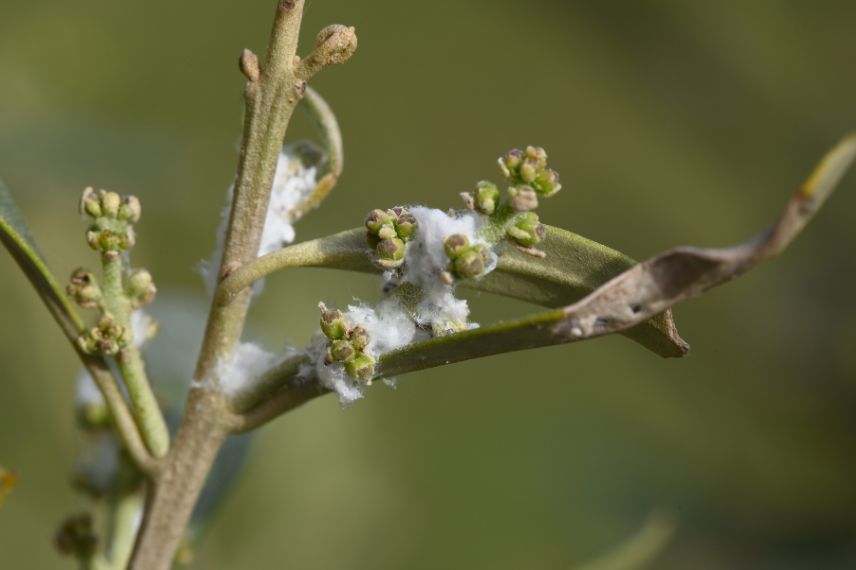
pixel 424 252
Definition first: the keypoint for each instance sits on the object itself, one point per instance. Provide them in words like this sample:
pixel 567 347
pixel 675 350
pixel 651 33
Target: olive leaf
pixel 20 244
pixel 639 293
pixel 573 267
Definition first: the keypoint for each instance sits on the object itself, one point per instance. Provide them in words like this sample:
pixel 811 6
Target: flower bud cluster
pixel 388 232
pixel 347 344
pixel 107 337
pixel 113 218
pixel 529 180
pixel 528 168
pixel 466 260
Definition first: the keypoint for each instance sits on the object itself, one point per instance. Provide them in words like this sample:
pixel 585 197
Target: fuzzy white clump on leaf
pixel 426 264
pixel 389 327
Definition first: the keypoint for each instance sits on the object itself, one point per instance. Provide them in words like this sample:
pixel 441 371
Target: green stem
pixel 126 513
pixel 144 406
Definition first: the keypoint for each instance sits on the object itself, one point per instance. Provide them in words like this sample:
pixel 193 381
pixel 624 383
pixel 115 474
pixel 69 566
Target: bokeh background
pixel 670 123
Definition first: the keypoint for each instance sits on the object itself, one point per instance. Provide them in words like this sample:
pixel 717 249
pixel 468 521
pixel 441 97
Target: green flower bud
pixel 455 245
pixel 529 168
pixel 522 198
pixel 130 210
pixel 341 351
pixel 547 182
pixel 333 323
pixel 390 253
pixel 536 156
pixel 90 203
pixel 362 367
pixel 376 220
pixel 141 288
pixel 510 162
pixel 528 171
pixel 486 197
pixel 405 224
pixel 387 231
pixel 107 337
pixel 76 537
pixel 359 338
pixel 527 231
pixel 471 263
pixel 110 202
pixel 84 289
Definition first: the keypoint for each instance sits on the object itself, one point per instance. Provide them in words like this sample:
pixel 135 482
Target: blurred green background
pixel 670 123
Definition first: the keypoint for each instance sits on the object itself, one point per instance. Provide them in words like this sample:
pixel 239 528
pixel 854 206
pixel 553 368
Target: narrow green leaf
pixel 637 294
pixel 573 268
pixel 18 240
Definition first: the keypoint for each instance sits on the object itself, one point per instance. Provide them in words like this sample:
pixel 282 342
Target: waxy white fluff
pixel 389 327
pixel 292 184
pixel 426 262
pixel 389 324
pixel 245 366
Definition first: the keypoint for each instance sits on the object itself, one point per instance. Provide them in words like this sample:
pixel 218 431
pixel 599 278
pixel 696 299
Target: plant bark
pixel 271 95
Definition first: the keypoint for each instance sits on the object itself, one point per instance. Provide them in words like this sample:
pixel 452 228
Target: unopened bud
pixel 83 288
pixel 405 224
pixel 527 231
pixel 486 197
pixel 509 163
pixel 341 351
pixel 362 367
pixel 390 252
pixel 130 210
pixel 90 203
pixel 547 183
pixel 333 323
pixel 522 198
pixel 455 244
pixel 335 44
pixel 470 264
pixel 359 338
pixel 110 202
pixel 141 288
pixel 376 219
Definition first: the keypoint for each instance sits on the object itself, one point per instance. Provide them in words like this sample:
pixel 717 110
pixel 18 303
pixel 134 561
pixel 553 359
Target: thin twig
pixel 121 414
pixel 271 93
